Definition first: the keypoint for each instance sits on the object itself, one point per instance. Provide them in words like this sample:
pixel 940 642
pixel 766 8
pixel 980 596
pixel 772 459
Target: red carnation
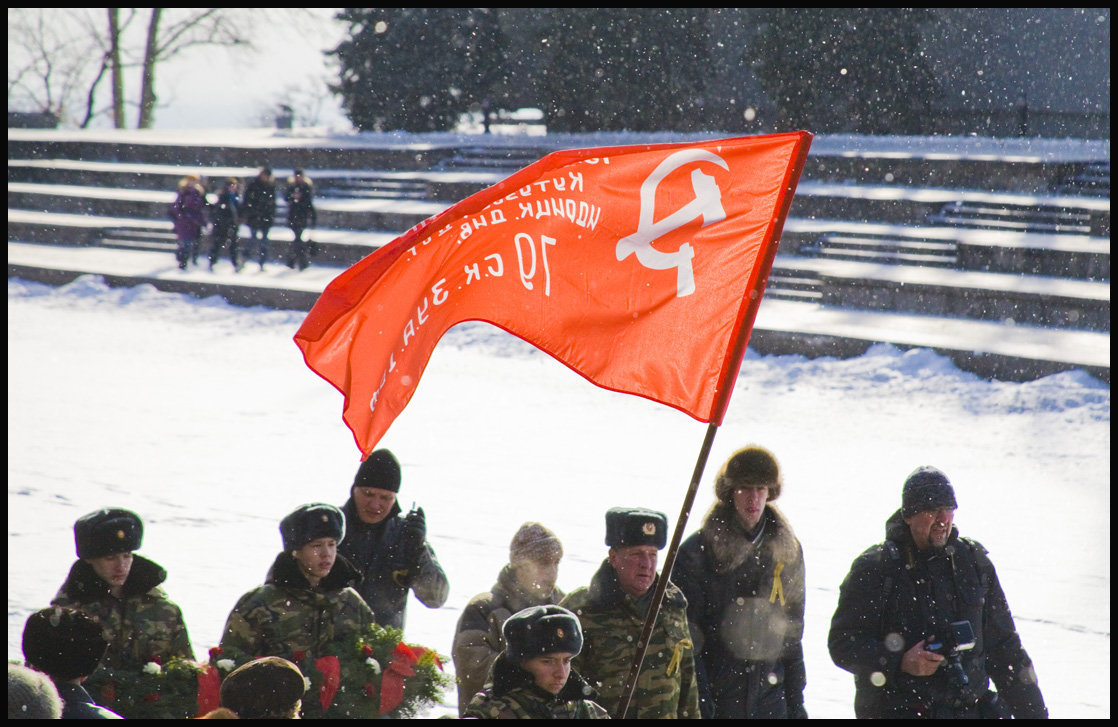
pixel 366 650
pixel 299 656
pixel 151 697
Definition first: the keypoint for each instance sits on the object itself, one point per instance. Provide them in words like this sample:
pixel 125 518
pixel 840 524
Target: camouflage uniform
pixel 286 615
pixel 141 624
pixel 513 694
pixel 611 627
pixel 478 640
pixel 388 574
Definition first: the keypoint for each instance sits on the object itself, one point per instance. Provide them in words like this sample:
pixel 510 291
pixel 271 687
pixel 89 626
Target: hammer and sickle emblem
pixel 707 204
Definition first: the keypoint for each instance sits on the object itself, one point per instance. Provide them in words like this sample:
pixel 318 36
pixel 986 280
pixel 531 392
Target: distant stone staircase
pixel 509 158
pixel 1092 179
pixel 125 238
pixel 375 188
pixel 883 248
pixel 1016 218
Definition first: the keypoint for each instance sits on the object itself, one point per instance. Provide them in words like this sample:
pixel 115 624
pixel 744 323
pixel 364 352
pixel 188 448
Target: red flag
pixel 640 267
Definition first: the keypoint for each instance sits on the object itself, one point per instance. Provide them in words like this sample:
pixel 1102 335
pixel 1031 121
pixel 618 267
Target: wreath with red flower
pixel 179 689
pixel 373 675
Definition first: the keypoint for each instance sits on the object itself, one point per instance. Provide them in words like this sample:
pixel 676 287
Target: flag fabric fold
pixel 639 267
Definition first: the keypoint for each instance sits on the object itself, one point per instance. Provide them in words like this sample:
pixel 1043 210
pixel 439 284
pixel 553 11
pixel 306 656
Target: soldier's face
pixel 749 502
pixel 550 670
pixel 636 567
pixel 931 528
pixel 113 569
pixel 538 576
pixel 373 504
pixel 316 558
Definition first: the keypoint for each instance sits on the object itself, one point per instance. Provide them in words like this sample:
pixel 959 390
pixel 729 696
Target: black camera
pixel 949 640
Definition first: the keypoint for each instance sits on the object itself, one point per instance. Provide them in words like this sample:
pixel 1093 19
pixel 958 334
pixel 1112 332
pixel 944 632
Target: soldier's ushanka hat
pixel 540 630
pixel 626 526
pixel 311 522
pixel 108 531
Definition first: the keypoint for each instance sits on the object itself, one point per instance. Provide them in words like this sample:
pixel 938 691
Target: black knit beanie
pixel 926 489
pixel 380 470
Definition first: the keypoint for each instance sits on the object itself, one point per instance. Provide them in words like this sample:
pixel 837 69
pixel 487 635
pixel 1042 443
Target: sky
pixel 202 417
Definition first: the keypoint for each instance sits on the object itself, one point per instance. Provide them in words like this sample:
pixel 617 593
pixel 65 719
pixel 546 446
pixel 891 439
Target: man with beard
pixel 527 580
pixel 923 624
pixel 613 611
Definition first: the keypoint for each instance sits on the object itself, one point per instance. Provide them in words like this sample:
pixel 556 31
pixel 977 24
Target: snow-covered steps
pixel 993 349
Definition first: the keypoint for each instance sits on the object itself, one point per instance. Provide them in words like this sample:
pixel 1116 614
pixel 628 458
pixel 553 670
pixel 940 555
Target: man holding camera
pixel 923 624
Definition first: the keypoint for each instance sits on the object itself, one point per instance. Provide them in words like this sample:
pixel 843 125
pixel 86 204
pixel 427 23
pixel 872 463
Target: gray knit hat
pixel 926 488
pixel 534 541
pixel 31 694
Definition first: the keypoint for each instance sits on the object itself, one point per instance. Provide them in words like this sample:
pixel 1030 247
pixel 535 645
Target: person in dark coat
pixel 67 645
pixel 743 576
pixel 226 216
pixel 188 212
pixel 904 613
pixel 260 212
pixel 301 214
pixel 391 551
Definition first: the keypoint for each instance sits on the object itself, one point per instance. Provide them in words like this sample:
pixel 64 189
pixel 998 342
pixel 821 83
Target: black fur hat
pixel 266 687
pixel 541 630
pixel 108 531
pixel 627 526
pixel 311 522
pixel 63 643
pixel 926 488
pixel 380 470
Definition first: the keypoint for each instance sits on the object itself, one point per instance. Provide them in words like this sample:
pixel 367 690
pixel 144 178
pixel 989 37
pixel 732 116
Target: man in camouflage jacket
pixel 289 614
pixel 122 591
pixel 532 677
pixel 612 612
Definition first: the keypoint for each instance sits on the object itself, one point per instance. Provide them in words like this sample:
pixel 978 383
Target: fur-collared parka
pixel 745 604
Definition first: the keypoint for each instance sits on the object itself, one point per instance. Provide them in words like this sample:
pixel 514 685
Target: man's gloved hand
pixel 415 535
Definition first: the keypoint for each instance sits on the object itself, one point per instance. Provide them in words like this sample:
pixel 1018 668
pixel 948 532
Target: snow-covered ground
pixel 203 418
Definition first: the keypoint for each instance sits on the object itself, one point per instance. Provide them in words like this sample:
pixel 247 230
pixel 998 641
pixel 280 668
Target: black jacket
pixel 745 604
pixel 389 573
pixel 894 596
